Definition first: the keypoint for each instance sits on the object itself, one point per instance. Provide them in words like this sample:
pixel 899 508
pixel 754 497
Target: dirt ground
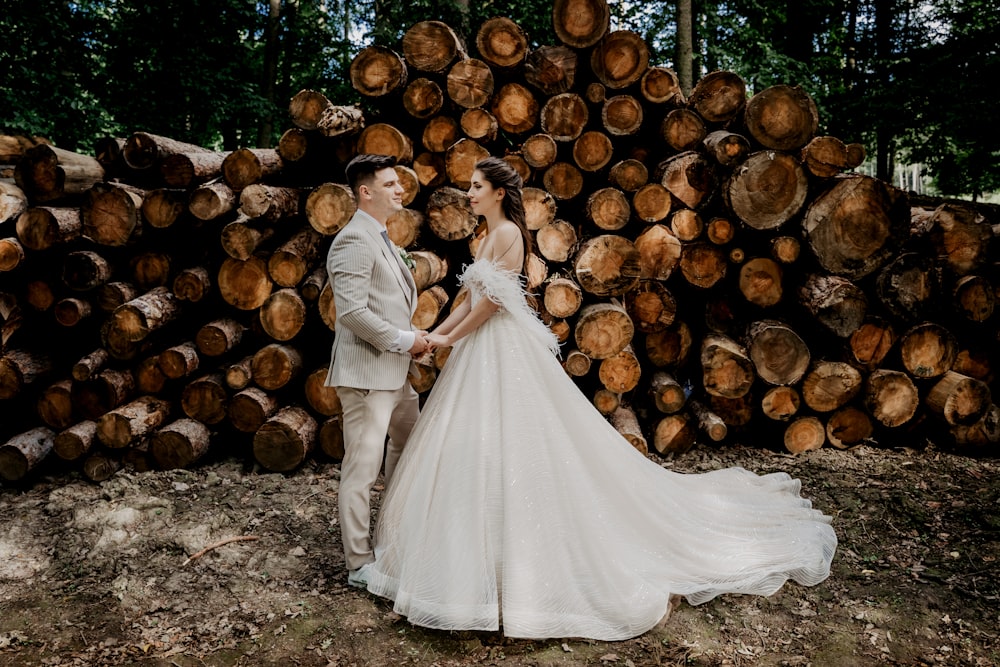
pixel 97 574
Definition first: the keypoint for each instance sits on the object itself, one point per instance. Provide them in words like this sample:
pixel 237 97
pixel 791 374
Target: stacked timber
pixel 712 266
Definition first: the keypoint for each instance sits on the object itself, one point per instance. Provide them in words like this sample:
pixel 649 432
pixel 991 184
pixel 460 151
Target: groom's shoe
pixel 359 577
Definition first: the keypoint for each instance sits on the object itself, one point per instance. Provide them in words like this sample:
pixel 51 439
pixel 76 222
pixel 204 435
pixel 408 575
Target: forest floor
pixel 97 574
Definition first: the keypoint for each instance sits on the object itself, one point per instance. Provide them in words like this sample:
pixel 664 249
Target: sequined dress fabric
pixel 517 505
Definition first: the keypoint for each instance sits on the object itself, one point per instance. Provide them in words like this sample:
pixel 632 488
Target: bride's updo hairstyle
pixel 500 174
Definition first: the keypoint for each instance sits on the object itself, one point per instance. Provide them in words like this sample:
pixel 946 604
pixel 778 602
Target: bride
pixel 515 503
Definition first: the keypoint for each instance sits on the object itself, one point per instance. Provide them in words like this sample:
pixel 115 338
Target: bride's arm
pixel 472 319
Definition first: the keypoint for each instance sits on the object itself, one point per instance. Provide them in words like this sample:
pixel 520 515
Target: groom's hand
pixel 419 344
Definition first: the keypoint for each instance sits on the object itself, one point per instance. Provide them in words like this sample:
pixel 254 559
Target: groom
pixel 373 345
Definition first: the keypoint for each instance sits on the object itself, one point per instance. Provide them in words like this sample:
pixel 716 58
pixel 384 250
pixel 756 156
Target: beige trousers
pixel 368 416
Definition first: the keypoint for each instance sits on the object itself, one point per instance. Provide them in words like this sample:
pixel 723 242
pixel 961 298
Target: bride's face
pixel 483 197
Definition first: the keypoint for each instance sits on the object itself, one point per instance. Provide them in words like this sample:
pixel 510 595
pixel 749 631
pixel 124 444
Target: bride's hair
pixel 500 174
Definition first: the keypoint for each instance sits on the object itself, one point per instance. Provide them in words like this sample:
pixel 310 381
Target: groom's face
pixel 383 196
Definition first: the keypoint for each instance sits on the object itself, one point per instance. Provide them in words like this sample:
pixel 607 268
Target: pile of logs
pixel 714 268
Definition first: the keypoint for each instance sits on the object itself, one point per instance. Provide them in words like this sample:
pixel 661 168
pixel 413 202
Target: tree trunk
pixel 246 166
pixel 144 150
pixel 41 227
pixel 24 451
pixel 185 170
pixel 275 365
pixel 959 399
pixel 75 441
pixel 46 173
pixel 126 424
pixel 179 444
pixel 205 399
pixel 283 441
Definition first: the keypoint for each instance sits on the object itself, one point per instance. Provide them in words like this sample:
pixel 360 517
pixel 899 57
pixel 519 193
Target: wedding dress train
pixel 517 505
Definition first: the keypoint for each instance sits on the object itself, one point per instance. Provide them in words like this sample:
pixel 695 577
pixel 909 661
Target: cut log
pixel 240 373
pixel 205 399
pixel 25 451
pixel 728 148
pixel 870 343
pixel 275 365
pixel 580 23
pixel 719 97
pixel 735 412
pixel 890 397
pixel 855 226
pixel 470 83
pixel 659 85
pixel 430 304
pixel 376 71
pixel 440 133
pixel 515 108
pixel 431 46
pixel 295 258
pixel 619 59
pixel 667 393
pixel 20 369
pixel 306 108
pixel 110 213
pixel 551 69
pixel 556 241
pixel 137 318
pixel 192 284
pixel 928 350
pixel 322 398
pixel 626 423
pixel 621 372
pixel 827 156
pixel 162 207
pixel 835 302
pixel 150 269
pixel 709 422
pixel 805 434
pixel 669 348
pixel 608 209
pixel 423 98
pixel 126 424
pixel 219 336
pixel 250 408
pixel 329 207
pixel 690 177
pixel 284 441
pixel 428 268
pixel 430 169
pixel 603 330
pixel 785 249
pixel 767 189
pixel 686 224
pixel 562 297
pixel 246 166
pixel 423 380
pixel 102 393
pixel 449 215
pixel 782 118
pixel 592 151
pixel 84 270
pixel 283 314
pixel 651 203
pixel 179 444
pixel 41 227
pixel 460 161
pixel 563 180
pixel 185 170
pixel 961 237
pixel 179 361
pixel 269 203
pixel 848 426
pixel 90 364
pixel 55 405
pixel 702 264
pixel 244 285
pixel 720 231
pixel 726 369
pixel 576 363
pixel 501 42
pixel 46 173
pixel 830 385
pixel 339 121
pixel 760 282
pixel 779 355
pixel 606 401
pixel 651 306
pixel 780 403
pixel 143 150
pixel 564 116
pixel 241 238
pixel 621 115
pixel 100 466
pixel 331 437
pixel 981 436
pixel 629 175
pixel 974 298
pixel 675 434
pixel 75 441
pixel 959 399
pixel 659 252
pixel 683 130
pixel 70 312
pixel 149 379
pixel 211 201
pixel 607 265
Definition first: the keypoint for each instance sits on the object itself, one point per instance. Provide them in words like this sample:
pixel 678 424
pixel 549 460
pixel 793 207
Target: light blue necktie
pixel 385 237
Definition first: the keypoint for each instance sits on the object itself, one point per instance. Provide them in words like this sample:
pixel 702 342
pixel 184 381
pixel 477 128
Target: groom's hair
pixel 362 168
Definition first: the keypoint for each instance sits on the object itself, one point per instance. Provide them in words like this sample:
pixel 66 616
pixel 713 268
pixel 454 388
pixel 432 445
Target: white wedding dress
pixel 517 505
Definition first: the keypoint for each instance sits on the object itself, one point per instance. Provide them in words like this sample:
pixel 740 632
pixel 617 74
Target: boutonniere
pixel 406 257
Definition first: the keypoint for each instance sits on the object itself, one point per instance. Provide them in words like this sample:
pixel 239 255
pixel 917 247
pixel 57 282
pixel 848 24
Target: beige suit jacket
pixel 375 298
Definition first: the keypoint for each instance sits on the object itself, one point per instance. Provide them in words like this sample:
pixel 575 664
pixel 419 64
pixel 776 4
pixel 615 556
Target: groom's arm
pixel 350 265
